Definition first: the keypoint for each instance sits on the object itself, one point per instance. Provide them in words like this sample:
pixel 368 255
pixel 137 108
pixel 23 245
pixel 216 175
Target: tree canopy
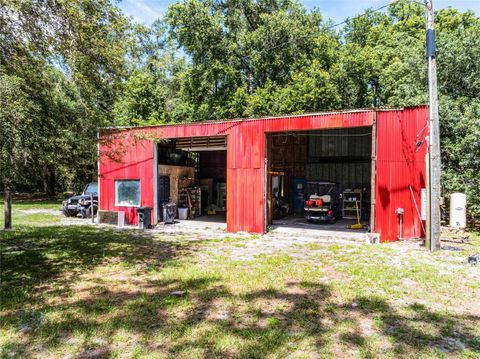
pixel 69 67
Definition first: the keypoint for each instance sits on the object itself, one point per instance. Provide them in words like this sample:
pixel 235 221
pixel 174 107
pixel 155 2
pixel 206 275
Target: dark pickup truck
pixel 81 204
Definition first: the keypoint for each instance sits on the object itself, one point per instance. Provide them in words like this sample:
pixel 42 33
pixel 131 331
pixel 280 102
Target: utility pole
pixel 434 189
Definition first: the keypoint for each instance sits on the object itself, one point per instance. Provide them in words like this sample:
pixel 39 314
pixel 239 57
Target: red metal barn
pixel 382 147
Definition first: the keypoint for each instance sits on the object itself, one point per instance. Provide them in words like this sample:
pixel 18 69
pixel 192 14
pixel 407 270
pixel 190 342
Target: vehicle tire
pixel 69 213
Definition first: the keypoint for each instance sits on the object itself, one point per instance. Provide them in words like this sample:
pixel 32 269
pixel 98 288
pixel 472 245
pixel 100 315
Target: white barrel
pixel 458 210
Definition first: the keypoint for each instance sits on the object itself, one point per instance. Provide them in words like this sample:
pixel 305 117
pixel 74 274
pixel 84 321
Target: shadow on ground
pixel 199 316
pixel 34 257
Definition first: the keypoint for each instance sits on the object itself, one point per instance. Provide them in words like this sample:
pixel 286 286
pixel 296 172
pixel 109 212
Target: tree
pixel 393 48
pixel 79 65
pixel 69 59
pixel 153 91
pixel 239 47
pixel 17 113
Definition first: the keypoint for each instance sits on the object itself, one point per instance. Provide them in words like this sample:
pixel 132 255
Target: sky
pixel 146 11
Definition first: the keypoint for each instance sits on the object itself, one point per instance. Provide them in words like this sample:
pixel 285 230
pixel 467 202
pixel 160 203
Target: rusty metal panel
pixel 400 163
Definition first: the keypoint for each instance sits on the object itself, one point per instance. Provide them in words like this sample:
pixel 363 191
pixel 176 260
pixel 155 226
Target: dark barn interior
pixel 192 175
pixel 299 161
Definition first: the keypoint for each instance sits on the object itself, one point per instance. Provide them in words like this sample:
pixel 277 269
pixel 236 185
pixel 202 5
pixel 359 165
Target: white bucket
pixel 458 210
pixel 182 213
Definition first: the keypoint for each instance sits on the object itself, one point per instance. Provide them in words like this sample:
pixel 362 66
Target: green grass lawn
pixel 83 291
pixel 33 213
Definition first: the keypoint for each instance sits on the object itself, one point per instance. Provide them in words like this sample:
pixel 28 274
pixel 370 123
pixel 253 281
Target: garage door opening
pixel 320 179
pixel 192 173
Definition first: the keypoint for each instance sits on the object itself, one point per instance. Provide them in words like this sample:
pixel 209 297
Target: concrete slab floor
pixel 212 222
pixel 300 222
pixel 288 227
pixel 299 227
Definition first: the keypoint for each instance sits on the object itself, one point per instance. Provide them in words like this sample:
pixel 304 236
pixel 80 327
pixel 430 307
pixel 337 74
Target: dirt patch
pixel 40 211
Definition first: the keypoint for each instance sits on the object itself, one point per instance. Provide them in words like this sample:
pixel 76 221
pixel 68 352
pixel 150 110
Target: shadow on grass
pixel 36 256
pixel 207 318
pixel 278 332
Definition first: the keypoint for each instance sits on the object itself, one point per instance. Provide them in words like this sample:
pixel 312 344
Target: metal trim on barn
pixel 398 163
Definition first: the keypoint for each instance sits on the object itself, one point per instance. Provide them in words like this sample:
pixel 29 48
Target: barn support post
pixel 155 184
pixel 373 174
pixel 265 185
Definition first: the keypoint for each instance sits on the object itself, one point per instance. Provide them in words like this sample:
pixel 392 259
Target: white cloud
pixel 144 11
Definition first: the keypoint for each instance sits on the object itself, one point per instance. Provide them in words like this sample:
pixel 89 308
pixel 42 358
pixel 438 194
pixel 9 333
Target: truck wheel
pixel 69 213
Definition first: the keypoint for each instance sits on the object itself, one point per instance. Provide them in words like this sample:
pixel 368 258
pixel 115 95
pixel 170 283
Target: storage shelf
pixel 350 201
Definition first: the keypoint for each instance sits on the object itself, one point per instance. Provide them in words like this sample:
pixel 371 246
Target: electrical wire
pixel 358 16
pixel 331 26
pixel 291 40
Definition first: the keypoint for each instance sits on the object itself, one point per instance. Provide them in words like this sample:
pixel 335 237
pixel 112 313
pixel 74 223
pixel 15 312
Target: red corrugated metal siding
pixel 399 164
pixel 136 163
pixel 245 177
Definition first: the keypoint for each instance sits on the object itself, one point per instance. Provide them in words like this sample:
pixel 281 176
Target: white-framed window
pixel 127 193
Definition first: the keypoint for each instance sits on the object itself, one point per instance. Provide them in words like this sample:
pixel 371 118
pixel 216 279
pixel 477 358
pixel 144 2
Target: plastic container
pixel 458 210
pixel 144 217
pixel 182 213
pixel 169 210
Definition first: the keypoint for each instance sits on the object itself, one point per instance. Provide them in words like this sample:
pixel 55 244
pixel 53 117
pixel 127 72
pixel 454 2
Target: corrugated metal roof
pixel 247 119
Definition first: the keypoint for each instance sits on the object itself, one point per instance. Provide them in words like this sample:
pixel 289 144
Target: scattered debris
pixel 474 259
pixel 454 344
pixel 93 354
pixel 455 235
pixel 178 293
pixel 98 342
pixel 222 315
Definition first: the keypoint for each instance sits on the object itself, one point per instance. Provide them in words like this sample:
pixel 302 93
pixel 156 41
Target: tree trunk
pixel 50 182
pixel 7 198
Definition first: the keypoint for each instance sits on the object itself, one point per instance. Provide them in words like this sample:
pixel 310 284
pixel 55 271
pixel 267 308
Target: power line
pixel 332 26
pixel 291 40
pixel 358 16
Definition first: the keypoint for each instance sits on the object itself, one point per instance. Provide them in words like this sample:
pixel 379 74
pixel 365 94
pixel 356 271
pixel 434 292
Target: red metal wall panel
pixel 135 162
pixel 400 163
